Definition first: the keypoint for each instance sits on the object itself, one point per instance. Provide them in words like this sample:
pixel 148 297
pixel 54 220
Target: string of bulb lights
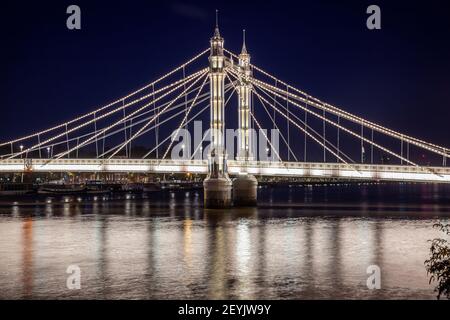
pixel 152 84
pixel 315 102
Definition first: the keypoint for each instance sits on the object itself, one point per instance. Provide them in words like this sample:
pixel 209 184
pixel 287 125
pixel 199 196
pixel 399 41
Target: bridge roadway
pixel 263 168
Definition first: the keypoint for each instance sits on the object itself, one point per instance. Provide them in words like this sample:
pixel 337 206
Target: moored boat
pixel 97 187
pixel 133 187
pixel 62 189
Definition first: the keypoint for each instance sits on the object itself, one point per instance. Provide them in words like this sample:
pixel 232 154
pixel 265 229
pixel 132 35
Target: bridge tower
pixel 217 185
pixel 245 185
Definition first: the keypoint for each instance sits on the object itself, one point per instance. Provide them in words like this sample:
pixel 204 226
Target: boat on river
pixel 62 189
pixel 133 187
pixel 97 187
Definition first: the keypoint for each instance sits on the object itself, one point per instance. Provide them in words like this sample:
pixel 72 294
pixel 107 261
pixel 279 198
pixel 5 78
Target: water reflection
pixel 27 269
pixel 168 246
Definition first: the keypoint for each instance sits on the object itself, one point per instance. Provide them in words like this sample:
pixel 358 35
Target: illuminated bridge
pixel 260 168
pixel 315 138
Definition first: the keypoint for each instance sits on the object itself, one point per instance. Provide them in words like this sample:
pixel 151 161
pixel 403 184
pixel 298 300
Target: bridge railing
pixel 264 168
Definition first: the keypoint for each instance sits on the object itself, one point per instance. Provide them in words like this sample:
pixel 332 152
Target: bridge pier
pixel 217 193
pixel 245 191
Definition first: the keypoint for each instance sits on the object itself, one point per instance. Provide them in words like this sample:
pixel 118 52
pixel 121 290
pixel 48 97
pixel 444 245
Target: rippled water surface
pixel 300 243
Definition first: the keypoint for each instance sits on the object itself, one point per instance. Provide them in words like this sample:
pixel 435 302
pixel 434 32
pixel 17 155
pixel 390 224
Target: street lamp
pixel 48 152
pixel 21 149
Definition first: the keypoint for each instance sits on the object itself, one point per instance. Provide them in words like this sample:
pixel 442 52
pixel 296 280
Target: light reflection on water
pixel 299 243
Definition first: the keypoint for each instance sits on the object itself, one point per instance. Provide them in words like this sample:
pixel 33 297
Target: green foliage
pixel 438 265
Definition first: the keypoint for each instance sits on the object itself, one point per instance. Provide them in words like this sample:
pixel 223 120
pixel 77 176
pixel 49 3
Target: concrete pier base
pixel 217 193
pixel 245 191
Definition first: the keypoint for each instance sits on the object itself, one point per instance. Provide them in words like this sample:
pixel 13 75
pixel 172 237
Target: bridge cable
pixel 298 126
pixel 311 129
pixel 363 151
pixel 186 103
pixel 420 143
pixel 276 127
pixel 199 146
pixel 154 127
pixel 371 148
pixel 306 126
pixel 267 111
pixel 118 130
pixel 183 122
pixel 197 74
pixel 124 128
pixel 162 111
pixel 324 138
pixel 305 135
pixel 110 104
pixel 204 98
pixel 177 86
pixel 78 142
pixel 190 120
pixel 343 128
pixel 67 139
pixel 284 108
pixel 96 140
pixel 267 139
pixel 257 123
pixel 39 141
pixel 157 121
pixel 321 105
pixel 401 147
pixel 288 133
pixel 338 137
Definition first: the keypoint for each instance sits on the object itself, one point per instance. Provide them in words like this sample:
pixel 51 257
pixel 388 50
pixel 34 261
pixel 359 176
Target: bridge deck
pixel 264 168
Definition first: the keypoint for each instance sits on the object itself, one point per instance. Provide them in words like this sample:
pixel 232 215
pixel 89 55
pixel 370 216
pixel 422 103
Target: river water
pixel 311 242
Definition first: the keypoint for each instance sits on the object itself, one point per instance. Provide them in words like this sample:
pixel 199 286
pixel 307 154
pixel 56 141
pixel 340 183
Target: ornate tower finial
pixel 217 18
pixel 244 47
pixel 216 30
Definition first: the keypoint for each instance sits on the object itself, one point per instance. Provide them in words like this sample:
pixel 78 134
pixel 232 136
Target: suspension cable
pixel 276 127
pixel 306 127
pixel 295 124
pixel 342 128
pixel 154 126
pixel 332 109
pixel 183 122
pixel 422 144
pixel 110 104
pixel 130 127
pixel 162 111
pixel 224 106
pixel 198 75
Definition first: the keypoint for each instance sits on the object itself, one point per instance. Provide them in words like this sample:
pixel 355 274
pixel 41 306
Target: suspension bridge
pixel 317 139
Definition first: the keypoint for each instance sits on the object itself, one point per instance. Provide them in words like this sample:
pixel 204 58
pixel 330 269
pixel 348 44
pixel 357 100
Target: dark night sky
pixel 397 76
